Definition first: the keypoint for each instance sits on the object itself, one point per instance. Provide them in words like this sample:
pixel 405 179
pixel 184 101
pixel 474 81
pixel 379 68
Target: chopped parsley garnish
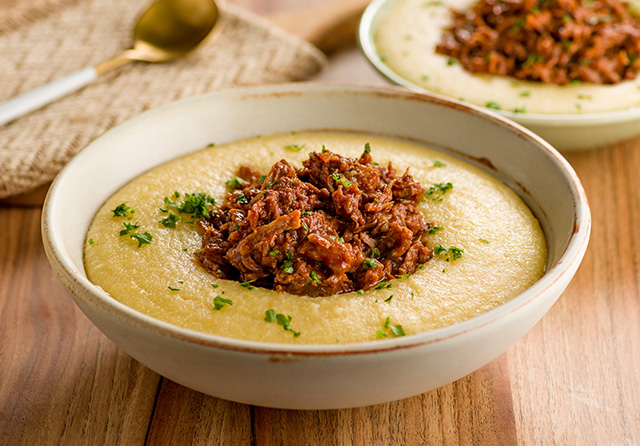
pixel 173 288
pixel 493 105
pixel 522 109
pixel 437 191
pixel 170 221
pixel 437 163
pixel 248 285
pixel 274 253
pixel 395 330
pixel 367 148
pixel 304 226
pixel 242 199
pixel 403 276
pixel 197 204
pixel 383 285
pixel 282 320
pixel 91 242
pixel 375 252
pixel 214 285
pixel 220 302
pixel 315 277
pixel 388 299
pixel 128 228
pixel 295 147
pixel 142 239
pixel 369 264
pixel 339 178
pixel 235 183
pixel 524 94
pixel 288 263
pixel 451 253
pixel 360 292
pixel 434 229
pixel 484 240
pixel 122 210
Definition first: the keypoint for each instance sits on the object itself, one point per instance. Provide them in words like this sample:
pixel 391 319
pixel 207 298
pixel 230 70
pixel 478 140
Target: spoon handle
pixel 34 99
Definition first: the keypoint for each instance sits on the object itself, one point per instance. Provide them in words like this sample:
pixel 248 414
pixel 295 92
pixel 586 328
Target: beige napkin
pixel 37 46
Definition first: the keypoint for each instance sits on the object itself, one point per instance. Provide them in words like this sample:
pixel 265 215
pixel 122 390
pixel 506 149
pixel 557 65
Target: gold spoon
pixel 167 30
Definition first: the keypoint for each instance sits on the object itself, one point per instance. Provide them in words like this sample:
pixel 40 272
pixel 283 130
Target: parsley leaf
pixel 220 302
pixel 281 319
pixel 122 210
pixel 451 253
pixel 170 221
pixel 339 178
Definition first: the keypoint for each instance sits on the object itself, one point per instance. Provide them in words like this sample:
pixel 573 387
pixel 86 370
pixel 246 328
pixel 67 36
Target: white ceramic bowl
pixel 566 132
pixel 317 376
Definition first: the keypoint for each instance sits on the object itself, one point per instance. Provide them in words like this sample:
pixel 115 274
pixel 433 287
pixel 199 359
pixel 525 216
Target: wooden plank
pixel 474 410
pixel 575 376
pixel 183 416
pixel 61 380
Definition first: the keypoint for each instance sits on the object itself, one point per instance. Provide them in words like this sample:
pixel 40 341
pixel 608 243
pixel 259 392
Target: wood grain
pixel 572 380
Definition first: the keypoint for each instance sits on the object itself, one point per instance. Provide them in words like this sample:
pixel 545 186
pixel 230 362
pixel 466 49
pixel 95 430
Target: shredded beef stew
pixel 336 225
pixel 550 41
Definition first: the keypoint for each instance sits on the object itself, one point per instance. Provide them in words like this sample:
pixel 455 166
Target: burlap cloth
pixel 40 44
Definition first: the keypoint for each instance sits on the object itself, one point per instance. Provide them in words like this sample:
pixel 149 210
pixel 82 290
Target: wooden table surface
pixel 573 380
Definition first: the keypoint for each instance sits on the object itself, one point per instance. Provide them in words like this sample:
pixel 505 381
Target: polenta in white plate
pixel 152 268
pixel 406 37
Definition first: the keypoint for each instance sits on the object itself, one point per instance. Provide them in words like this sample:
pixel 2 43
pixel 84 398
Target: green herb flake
pixel 281 319
pixel 388 299
pixel 128 228
pixel 235 183
pixel 211 144
pixel 375 252
pixel 434 229
pixel 288 263
pixel 369 264
pixel 437 163
pixel 367 148
pixel 170 221
pixel 383 285
pixel 451 61
pixel 242 199
pixel 274 253
pixel 197 203
pixel 220 302
pixel 450 254
pixel 525 94
pixel 338 178
pixel 360 292
pixel 522 109
pixel 484 240
pixel 493 105
pixel 380 334
pixel 403 276
pixel 315 277
pixel 248 285
pixel 397 330
pixel 437 191
pixel 214 285
pixel 91 242
pixel 142 239
pixel 172 288
pixel 294 147
pixel 122 210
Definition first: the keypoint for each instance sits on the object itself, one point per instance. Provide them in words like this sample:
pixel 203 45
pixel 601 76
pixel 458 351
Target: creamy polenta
pixel 406 37
pixel 151 267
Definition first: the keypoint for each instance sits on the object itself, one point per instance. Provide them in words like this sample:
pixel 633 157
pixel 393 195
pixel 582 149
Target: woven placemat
pixel 248 51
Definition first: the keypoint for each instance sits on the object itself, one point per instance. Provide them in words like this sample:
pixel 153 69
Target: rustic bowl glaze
pixel 317 376
pixel 566 132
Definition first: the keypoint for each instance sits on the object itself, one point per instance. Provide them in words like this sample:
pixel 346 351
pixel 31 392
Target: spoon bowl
pixel 167 30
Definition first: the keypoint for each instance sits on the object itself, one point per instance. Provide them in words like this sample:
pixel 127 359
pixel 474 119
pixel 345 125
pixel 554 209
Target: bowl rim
pixel 365 33
pixel 566 264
